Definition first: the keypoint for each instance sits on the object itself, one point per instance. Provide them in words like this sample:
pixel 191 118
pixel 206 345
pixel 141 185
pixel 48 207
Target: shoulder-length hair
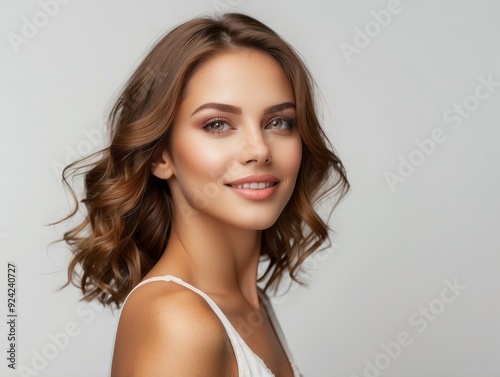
pixel 128 210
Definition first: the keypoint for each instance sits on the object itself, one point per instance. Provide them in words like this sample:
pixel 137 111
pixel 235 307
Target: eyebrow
pixel 237 110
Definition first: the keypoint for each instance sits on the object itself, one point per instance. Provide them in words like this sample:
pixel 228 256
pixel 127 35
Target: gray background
pixel 394 249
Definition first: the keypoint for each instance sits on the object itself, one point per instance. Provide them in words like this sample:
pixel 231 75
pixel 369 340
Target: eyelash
pixel 291 122
pixel 210 122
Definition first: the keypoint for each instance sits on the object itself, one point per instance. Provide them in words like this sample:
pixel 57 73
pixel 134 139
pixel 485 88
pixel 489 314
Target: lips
pixel 255 187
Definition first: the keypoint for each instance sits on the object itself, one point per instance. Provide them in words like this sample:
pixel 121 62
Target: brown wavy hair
pixel 126 224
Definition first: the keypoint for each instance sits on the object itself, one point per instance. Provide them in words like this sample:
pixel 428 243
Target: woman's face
pixel 235 150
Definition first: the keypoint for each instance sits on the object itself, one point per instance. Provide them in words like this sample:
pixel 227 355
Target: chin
pixel 258 222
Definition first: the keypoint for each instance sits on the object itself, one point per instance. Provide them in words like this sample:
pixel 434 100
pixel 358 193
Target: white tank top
pixel 249 364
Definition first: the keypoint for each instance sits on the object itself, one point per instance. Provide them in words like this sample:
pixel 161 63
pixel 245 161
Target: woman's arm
pixel 169 331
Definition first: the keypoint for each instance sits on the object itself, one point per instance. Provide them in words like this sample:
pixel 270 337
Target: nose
pixel 255 149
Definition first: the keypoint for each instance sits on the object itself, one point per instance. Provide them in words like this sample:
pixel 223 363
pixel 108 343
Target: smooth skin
pixel 166 329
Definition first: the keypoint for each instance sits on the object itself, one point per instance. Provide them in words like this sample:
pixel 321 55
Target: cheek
pixel 196 159
pixel 290 155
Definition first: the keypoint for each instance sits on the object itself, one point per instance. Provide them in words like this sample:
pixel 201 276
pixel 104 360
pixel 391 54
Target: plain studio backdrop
pixel 409 96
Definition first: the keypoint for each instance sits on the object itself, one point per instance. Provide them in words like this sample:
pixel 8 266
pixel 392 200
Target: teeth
pixel 254 185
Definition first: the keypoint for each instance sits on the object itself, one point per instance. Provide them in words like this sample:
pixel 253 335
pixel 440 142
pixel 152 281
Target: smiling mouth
pixel 254 185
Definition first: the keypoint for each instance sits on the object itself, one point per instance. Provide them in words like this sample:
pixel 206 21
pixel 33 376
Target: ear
pixel 161 164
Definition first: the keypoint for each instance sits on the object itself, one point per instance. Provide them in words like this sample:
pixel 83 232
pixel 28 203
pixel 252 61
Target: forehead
pixel 245 78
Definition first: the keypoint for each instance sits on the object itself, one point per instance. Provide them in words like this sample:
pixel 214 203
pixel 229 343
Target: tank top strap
pixel 177 280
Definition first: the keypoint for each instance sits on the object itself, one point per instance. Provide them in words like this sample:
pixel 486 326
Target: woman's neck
pixel 214 257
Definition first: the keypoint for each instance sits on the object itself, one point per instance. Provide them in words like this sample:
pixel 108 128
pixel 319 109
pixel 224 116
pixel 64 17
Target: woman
pixel 215 163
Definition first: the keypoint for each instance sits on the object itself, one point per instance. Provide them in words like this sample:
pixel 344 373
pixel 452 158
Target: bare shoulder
pixel 168 330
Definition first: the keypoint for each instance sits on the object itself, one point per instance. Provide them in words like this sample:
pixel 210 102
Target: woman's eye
pixel 280 123
pixel 217 126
